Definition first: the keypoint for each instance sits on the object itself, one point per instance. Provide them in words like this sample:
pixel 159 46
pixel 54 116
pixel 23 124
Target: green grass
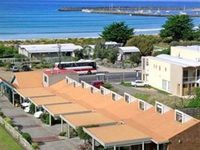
pixel 194 104
pixel 142 96
pixel 7 142
pixel 127 84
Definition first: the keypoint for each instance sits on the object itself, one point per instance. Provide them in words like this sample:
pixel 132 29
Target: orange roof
pixel 128 113
pixel 59 109
pixel 31 79
pixel 34 92
pixel 39 101
pixel 116 135
pixel 87 119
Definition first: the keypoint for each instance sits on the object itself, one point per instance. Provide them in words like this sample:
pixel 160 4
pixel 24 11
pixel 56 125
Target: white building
pixel 187 52
pixel 126 52
pixel 48 50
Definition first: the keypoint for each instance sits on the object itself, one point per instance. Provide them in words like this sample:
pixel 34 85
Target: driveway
pixel 46 135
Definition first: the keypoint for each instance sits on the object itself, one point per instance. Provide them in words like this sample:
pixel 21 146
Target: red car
pixel 97 84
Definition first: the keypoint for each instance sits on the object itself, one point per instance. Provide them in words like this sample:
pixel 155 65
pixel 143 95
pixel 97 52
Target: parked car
pixel 97 83
pixel 139 83
pixel 38 114
pixel 14 69
pixel 25 68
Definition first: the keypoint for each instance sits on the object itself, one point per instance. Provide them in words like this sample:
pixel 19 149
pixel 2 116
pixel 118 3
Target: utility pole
pixel 59 55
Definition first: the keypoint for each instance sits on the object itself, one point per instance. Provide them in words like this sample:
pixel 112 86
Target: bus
pixel 81 66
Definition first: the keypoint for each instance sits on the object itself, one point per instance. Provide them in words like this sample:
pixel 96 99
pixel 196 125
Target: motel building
pixel 112 121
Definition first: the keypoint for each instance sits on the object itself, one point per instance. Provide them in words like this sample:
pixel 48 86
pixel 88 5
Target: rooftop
pixel 39 101
pixel 87 119
pixel 116 135
pixel 177 61
pixel 59 109
pixel 129 49
pixel 50 48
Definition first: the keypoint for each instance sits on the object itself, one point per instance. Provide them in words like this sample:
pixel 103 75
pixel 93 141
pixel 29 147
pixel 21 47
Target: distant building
pixel 48 50
pixel 126 52
pixel 187 52
pixel 171 74
pixel 111 44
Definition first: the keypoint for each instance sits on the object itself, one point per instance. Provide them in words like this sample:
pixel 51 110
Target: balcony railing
pixel 191 79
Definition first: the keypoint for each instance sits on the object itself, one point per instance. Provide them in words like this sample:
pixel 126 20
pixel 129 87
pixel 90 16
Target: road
pixel 112 77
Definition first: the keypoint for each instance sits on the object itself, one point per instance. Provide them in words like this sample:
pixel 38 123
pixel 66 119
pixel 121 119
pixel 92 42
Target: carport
pixel 29 93
pixel 116 136
pixel 85 119
pixel 64 109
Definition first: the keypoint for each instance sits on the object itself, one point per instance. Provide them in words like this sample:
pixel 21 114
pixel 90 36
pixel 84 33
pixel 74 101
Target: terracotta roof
pixel 39 101
pixel 31 79
pixel 56 71
pixel 162 127
pixel 116 135
pixel 34 92
pixel 87 119
pixel 59 109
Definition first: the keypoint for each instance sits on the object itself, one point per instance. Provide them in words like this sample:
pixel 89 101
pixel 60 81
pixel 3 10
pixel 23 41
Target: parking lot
pixel 46 136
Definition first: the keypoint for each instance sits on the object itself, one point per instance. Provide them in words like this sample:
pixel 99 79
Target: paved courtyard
pixel 46 135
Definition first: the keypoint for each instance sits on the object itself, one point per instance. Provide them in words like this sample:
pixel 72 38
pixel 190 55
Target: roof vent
pixel 116 96
pixel 104 91
pixel 128 98
pixel 161 108
pixel 181 116
pixel 142 105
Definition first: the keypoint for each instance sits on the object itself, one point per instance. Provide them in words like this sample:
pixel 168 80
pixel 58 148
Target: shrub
pixel 8 120
pixel 62 133
pixel 82 134
pixel 32 109
pixel 45 118
pixel 2 115
pixel 27 137
pixel 108 85
pixel 35 146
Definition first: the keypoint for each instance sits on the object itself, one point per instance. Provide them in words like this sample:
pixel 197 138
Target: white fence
pixel 15 134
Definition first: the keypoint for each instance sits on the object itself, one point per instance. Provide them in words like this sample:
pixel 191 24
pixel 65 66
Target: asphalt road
pixel 112 77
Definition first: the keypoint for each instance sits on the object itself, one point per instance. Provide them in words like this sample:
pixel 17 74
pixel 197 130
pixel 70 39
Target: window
pixel 159 108
pixel 126 98
pixel 92 90
pixel 179 117
pixel 74 83
pixel 165 69
pixel 141 105
pixel 159 68
pixel 45 79
pixel 102 91
pixel 82 84
pixel 113 96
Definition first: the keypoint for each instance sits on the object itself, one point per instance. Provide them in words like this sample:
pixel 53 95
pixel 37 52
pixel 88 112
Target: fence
pixel 16 135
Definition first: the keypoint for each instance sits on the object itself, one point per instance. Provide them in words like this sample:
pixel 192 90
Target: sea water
pixel 31 19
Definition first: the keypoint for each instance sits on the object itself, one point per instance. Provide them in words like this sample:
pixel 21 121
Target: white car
pixel 27 109
pixel 38 114
pixel 139 83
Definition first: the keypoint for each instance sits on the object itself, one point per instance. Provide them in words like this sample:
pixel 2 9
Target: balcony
pixel 191 79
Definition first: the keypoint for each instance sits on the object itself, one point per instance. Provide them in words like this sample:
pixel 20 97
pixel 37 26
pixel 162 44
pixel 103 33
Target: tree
pixel 179 27
pixel 144 43
pixel 118 32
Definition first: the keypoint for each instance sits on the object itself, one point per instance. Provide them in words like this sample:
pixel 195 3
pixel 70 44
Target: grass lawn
pixel 7 142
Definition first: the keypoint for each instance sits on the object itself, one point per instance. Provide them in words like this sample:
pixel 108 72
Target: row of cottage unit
pixel 111 120
pixel 53 50
pixel 178 73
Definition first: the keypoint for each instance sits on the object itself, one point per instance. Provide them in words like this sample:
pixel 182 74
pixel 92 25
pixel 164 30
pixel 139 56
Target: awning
pixel 116 135
pixel 49 100
pixel 59 109
pixel 87 119
pixel 34 92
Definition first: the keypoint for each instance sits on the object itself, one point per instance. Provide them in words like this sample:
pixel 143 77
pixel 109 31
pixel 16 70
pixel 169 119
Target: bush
pixel 108 85
pixel 62 133
pixel 35 146
pixel 82 135
pixel 27 137
pixel 32 109
pixel 45 118
pixel 8 120
pixel 2 115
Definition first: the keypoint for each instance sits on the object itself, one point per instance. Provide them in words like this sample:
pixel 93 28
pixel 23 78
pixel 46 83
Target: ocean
pixel 33 19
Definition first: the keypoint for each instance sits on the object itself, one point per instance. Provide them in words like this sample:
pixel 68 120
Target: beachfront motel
pixel 178 73
pixel 111 120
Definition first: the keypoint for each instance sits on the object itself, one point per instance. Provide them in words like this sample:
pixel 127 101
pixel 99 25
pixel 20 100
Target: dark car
pixel 25 68
pixel 97 83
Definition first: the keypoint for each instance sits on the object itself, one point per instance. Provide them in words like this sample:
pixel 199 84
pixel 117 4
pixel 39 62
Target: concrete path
pixel 46 135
